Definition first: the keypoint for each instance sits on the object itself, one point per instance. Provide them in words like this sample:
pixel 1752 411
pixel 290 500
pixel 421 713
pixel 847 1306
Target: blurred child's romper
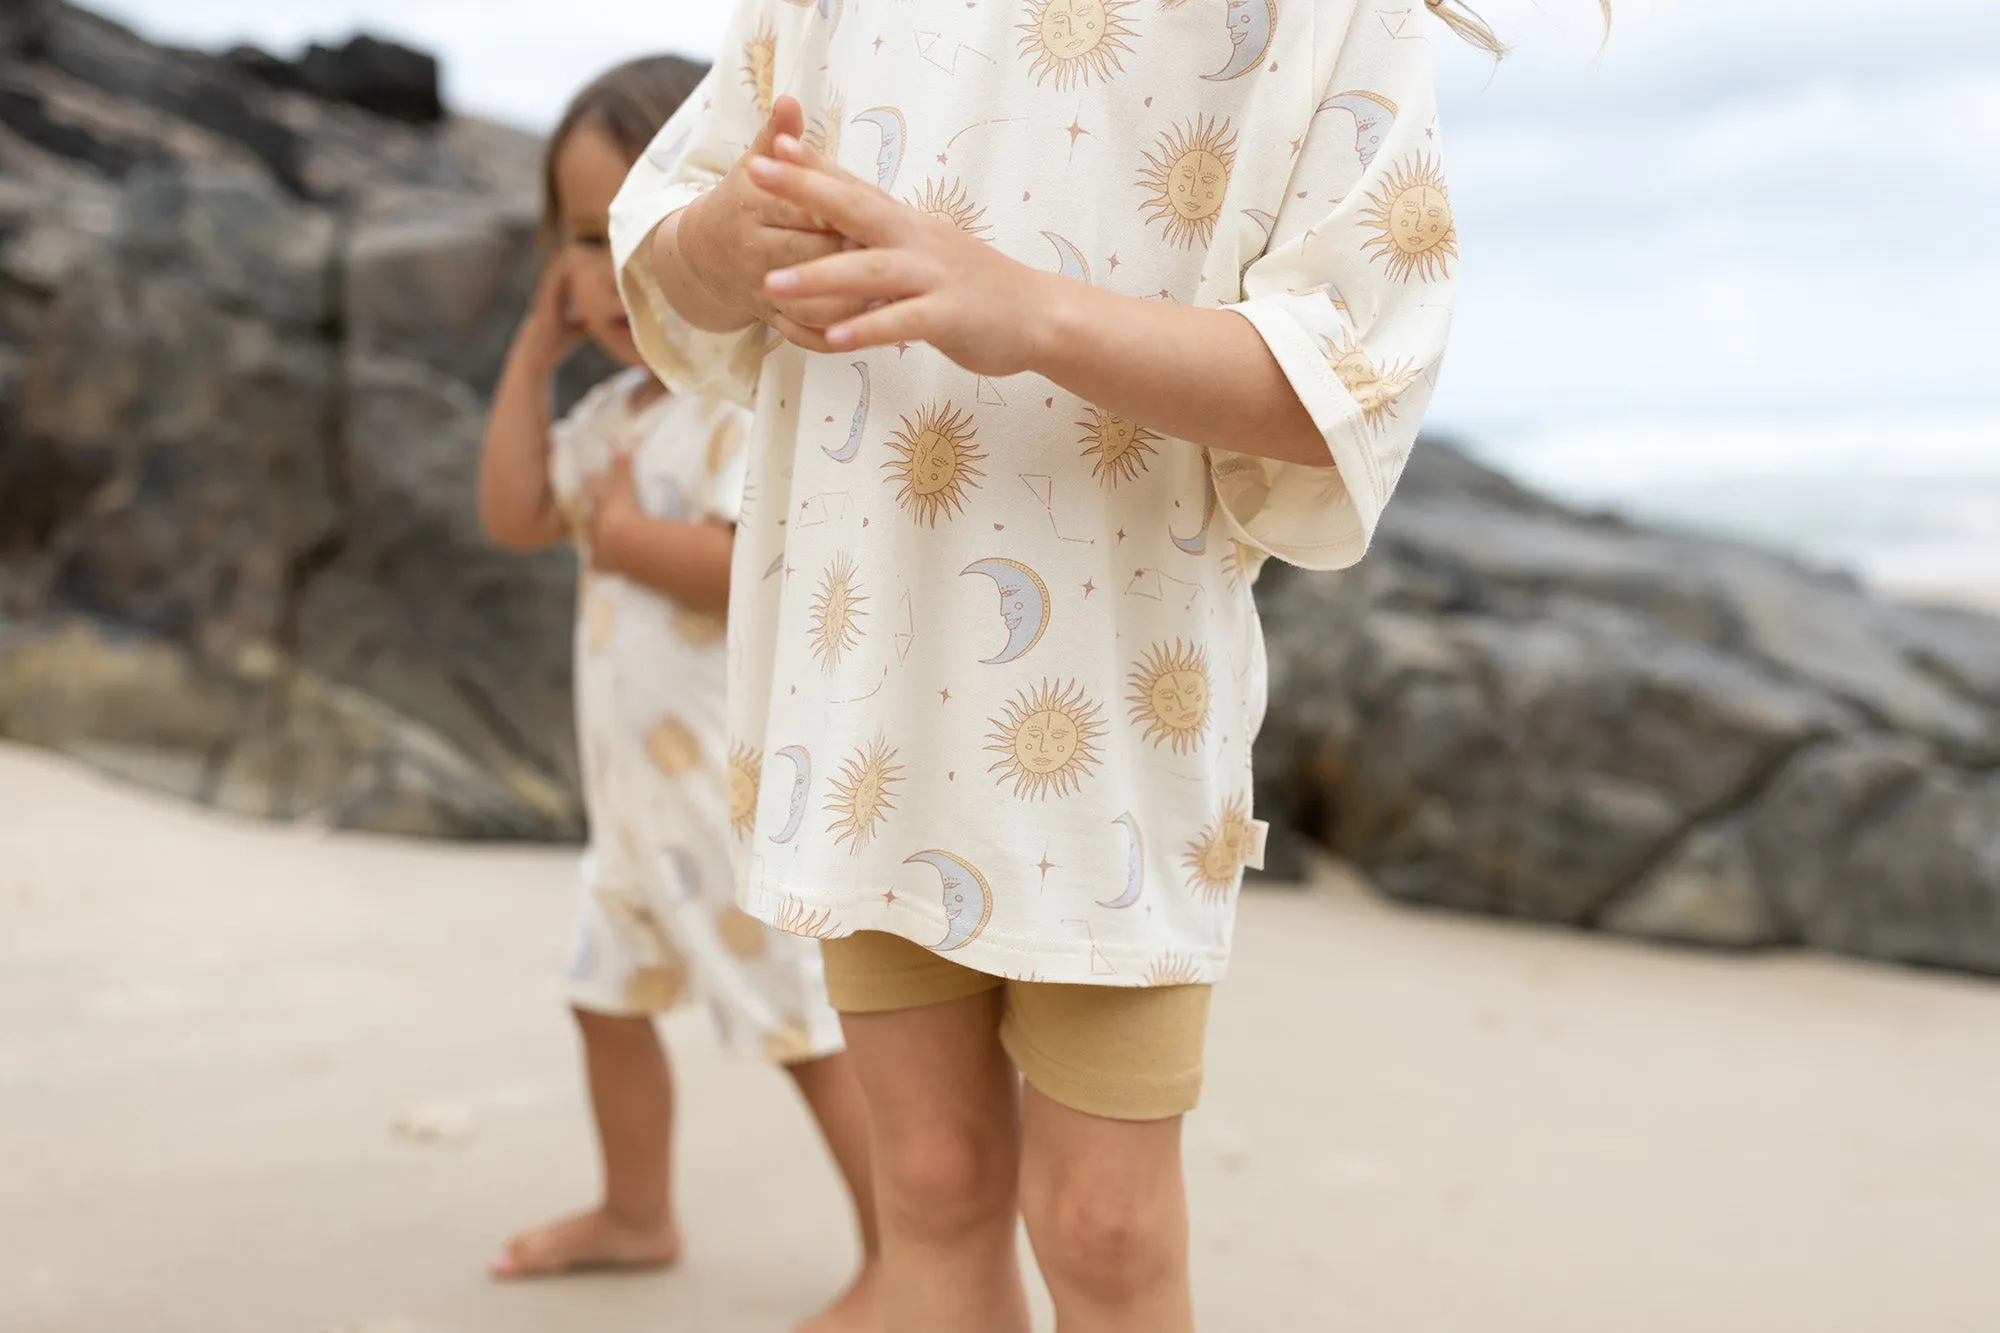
pixel 658 920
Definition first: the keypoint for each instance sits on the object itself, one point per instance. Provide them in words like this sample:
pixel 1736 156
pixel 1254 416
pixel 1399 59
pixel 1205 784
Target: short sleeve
pixel 687 158
pixel 1353 296
pixel 571 441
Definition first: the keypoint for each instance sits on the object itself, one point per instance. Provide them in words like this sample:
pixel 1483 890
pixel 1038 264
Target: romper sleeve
pixel 691 154
pixel 1353 296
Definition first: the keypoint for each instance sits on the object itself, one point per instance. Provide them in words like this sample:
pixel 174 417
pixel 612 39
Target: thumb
pixel 787 117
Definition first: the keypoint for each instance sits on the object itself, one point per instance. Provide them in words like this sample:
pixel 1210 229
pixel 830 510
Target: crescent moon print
pixel 1135 864
pixel 1198 544
pixel 968 898
pixel 1252 24
pixel 802 772
pixel 847 451
pixel 1373 115
pixel 1266 222
pixel 1073 264
pixel 895 133
pixel 1024 605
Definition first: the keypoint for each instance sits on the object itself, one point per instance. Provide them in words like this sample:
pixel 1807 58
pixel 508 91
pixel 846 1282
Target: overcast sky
pixel 1739 205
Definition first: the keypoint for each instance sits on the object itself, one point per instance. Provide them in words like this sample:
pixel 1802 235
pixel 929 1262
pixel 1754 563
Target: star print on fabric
pixel 1089 587
pixel 944 696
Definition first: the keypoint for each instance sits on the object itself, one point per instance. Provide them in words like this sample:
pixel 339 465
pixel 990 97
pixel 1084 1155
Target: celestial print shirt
pixel 995 664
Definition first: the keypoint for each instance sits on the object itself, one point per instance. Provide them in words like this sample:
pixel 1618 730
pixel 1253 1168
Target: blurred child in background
pixel 648 485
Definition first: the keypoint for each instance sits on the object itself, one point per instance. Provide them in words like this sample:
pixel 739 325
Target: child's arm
pixel 687 562
pixel 517 506
pixel 1205 376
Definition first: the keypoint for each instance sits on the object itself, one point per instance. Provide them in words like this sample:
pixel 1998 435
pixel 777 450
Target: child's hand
pixel 612 506
pixel 912 279
pixel 734 235
pixel 549 332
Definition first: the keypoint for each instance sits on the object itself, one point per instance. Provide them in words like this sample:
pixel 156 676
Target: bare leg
pixel 1106 1208
pixel 943 1106
pixel 834 1095
pixel 632 1095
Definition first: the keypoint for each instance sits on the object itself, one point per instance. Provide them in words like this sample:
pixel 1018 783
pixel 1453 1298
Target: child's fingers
pixel 846 205
pixel 883 275
pixel 910 321
pixel 801 335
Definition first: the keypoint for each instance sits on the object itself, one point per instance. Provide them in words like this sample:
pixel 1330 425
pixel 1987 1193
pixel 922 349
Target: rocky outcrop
pixel 250 311
pixel 1516 708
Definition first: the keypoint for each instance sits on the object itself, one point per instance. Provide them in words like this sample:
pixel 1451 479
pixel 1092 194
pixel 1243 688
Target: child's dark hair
pixel 628 105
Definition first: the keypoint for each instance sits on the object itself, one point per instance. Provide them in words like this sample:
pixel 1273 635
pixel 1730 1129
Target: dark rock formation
pixel 1516 708
pixel 247 328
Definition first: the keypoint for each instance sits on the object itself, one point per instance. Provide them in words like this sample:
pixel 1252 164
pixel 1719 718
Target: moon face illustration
pixel 846 452
pixel 1198 544
pixel 1024 605
pixel 1135 865
pixel 895 133
pixel 802 766
pixel 1373 115
pixel 1074 265
pixel 968 899
pixel 1251 26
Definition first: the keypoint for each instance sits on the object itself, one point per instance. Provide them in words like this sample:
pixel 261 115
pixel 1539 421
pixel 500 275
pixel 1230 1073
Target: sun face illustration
pixel 1172 969
pixel 1170 695
pixel 1075 40
pixel 788 1045
pixel 673 747
pixel 1047 742
pixel 1411 219
pixel 836 613
pixel 698 629
pixel 947 201
pixel 863 794
pixel 1375 388
pixel 599 612
pixel 653 990
pixel 1189 177
pixel 1117 446
pixel 1215 860
pixel 823 135
pixel 746 776
pixel 741 933
pixel 760 67
pixel 795 918
pixel 934 462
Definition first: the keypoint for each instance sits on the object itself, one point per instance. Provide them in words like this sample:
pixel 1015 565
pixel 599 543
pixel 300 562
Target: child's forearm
pixel 517 506
pixel 687 562
pixel 1205 376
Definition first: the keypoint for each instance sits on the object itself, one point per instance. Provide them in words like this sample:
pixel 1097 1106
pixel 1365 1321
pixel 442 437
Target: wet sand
pixel 268 1081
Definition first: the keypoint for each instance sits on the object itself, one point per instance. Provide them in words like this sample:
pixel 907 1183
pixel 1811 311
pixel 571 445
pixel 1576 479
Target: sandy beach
pixel 261 1080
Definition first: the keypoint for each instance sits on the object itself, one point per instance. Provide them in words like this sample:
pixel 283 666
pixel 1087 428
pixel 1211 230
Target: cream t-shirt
pixel 995 664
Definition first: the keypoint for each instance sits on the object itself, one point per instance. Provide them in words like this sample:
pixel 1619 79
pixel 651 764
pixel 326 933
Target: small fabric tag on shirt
pixel 1254 839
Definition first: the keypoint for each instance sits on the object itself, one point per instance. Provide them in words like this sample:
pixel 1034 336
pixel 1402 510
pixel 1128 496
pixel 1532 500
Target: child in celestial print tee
pixel 1059 317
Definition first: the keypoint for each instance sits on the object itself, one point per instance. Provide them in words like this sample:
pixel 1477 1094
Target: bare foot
pixel 592 1240
pixel 859 1309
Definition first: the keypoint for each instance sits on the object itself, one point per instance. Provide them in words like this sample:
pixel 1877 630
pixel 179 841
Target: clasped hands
pixel 837 265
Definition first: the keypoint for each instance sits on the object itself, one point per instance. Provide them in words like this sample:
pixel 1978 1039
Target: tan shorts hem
pixel 1121 1053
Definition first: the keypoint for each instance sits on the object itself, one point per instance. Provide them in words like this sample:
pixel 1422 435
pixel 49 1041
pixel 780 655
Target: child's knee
pixel 946 1179
pixel 1113 1234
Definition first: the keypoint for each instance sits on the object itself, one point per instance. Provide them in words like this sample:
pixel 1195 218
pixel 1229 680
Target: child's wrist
pixel 1057 316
